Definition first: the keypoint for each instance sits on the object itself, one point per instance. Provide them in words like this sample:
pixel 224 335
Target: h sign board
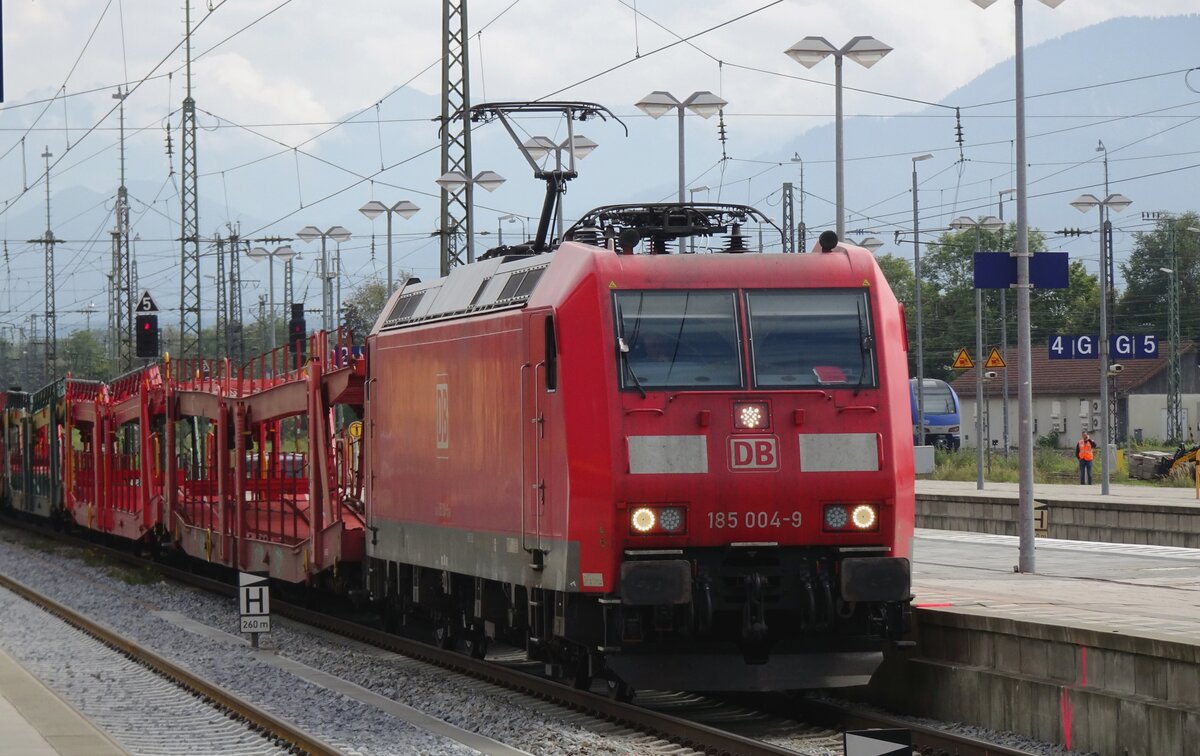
pixel 254 602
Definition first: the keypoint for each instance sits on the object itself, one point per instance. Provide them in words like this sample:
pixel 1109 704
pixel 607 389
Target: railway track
pixel 254 721
pixel 670 722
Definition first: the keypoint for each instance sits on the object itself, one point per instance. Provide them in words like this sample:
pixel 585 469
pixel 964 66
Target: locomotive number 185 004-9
pixel 753 520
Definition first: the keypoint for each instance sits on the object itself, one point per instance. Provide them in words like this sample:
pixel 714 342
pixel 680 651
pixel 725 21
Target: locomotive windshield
pixel 938 399
pixel 811 338
pixel 678 339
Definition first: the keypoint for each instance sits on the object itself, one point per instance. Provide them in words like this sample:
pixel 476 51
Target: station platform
pixel 34 721
pixel 1097 649
pixel 1134 514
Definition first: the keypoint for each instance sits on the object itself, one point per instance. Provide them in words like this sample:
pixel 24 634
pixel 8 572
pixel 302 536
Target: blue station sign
pixel 1121 346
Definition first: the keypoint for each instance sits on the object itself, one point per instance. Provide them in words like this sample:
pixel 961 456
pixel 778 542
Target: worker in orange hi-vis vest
pixel 1084 453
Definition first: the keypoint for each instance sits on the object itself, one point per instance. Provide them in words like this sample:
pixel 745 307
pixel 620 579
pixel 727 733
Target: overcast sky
pixel 289 70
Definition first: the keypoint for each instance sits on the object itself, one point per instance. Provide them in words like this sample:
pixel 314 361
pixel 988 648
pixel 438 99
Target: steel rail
pixel 220 697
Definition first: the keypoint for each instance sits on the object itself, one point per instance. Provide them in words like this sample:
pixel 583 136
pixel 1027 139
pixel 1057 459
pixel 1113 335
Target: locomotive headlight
pixel 864 517
pixel 658 520
pixel 670 519
pixel 751 415
pixel 836 517
pixel 643 519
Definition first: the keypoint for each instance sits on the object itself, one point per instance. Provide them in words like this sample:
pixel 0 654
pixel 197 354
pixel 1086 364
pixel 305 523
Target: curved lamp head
pixel 866 51
pixel 658 103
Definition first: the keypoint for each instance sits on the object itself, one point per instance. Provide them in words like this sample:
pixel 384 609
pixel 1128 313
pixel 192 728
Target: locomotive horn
pixel 828 241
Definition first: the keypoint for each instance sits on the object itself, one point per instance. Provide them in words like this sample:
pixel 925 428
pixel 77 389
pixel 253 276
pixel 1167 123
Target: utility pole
pixel 802 230
pixel 189 231
pixel 456 135
pixel 48 241
pixel 1174 403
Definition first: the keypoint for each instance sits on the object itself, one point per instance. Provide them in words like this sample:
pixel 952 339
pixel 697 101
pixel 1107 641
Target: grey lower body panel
pixel 493 556
pixel 728 671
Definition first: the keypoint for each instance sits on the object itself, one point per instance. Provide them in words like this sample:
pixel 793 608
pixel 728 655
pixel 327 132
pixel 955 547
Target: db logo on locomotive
pixel 754 453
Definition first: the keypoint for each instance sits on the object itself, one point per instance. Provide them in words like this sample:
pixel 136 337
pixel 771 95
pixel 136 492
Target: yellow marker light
pixel 864 517
pixel 642 519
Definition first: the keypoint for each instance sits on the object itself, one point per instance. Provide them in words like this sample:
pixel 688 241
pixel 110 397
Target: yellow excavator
pixel 1183 457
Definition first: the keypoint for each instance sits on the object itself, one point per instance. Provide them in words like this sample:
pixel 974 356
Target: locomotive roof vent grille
pixel 405 307
pixel 520 285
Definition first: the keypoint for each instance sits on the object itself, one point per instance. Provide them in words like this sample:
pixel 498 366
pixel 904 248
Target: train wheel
pixel 619 690
pixel 475 644
pixel 580 678
pixel 443 635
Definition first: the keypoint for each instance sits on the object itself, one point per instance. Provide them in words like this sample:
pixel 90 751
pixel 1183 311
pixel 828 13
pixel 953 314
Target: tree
pixel 899 275
pixel 362 308
pixel 83 356
pixel 1143 306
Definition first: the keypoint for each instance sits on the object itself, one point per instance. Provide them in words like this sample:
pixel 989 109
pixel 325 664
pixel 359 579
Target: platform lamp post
pixel 257 254
pixel 917 298
pixel 404 209
pixel 1024 340
pixel 658 103
pixel 870 243
pixel 1083 203
pixel 985 223
pixel 454 182
pixel 510 218
pixel 338 234
pixel 1004 327
pixel 866 51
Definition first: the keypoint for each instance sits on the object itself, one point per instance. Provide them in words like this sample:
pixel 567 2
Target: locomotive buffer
pixel 254 602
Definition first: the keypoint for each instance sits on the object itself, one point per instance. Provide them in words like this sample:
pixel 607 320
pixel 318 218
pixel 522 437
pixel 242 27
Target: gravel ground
pixel 125 600
pixel 152 715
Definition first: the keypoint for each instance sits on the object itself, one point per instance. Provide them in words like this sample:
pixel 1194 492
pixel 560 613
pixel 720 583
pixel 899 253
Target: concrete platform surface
pixel 1127 494
pixel 1138 590
pixel 36 722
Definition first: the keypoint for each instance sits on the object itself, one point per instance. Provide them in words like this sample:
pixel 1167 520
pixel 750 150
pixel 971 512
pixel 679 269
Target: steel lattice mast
pixel 122 280
pixel 1174 402
pixel 456 135
pixel 51 321
pixel 189 233
pixel 789 221
pixel 222 314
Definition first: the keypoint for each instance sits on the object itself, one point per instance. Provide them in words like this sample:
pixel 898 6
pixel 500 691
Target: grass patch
pixel 134 575
pixel 1049 466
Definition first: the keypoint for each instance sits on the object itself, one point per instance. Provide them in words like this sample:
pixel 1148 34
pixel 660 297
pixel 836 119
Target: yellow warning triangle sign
pixel 962 361
pixel 994 359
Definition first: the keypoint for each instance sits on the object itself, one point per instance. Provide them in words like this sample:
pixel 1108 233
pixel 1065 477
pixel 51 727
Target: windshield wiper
pixel 623 352
pixel 865 344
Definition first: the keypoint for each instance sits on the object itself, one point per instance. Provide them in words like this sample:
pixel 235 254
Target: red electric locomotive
pixel 675 470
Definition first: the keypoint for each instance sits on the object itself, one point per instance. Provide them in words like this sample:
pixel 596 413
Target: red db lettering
pixel 764 453
pixel 754 453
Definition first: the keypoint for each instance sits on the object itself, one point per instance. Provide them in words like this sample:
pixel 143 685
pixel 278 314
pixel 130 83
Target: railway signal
pixel 147 337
